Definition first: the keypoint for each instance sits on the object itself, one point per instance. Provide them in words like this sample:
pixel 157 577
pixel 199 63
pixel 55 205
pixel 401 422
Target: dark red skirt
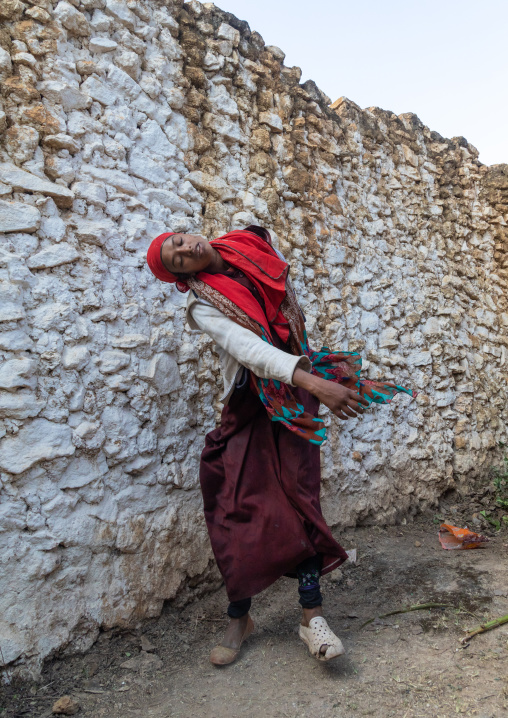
pixel 260 485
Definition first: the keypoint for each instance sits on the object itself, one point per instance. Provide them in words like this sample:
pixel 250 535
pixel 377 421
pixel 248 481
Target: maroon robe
pixel 261 485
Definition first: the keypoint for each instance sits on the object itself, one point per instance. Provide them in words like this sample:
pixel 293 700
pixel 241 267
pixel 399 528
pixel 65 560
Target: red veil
pixel 253 255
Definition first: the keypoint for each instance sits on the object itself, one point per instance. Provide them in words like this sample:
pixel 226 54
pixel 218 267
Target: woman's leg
pixel 308 573
pixel 238 609
pixel 238 612
pixel 323 644
pixel 239 628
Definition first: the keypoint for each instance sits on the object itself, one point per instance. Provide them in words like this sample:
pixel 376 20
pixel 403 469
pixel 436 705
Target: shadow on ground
pixel 407 665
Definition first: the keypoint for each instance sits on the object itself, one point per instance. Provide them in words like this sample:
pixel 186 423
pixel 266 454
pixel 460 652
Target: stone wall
pixel 121 120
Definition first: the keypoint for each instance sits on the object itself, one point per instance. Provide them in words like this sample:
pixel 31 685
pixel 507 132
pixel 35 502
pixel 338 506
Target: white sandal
pixel 318 634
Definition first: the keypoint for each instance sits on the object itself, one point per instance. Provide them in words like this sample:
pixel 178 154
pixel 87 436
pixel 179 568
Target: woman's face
pixel 186 253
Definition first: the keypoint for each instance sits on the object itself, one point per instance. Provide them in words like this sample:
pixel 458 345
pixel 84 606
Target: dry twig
pixel 485 627
pixel 416 607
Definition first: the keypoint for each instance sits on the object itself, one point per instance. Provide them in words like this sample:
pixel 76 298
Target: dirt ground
pixel 406 665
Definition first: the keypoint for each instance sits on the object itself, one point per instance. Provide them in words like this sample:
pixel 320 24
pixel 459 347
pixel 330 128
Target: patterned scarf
pixel 255 257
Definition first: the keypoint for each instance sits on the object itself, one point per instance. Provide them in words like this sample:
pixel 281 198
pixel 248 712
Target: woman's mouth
pixel 198 250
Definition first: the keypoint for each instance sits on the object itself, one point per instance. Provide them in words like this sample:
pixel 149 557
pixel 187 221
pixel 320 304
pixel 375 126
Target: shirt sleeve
pixel 265 360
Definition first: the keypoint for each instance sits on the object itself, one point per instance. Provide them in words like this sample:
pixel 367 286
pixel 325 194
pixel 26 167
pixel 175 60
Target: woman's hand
pixel 343 402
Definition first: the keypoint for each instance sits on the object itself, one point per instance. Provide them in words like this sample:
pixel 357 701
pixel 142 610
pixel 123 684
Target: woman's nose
pixel 185 249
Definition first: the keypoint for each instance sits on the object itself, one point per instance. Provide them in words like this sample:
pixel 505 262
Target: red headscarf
pixel 154 261
pixel 255 257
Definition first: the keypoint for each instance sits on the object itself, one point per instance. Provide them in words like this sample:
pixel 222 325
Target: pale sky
pixel 444 60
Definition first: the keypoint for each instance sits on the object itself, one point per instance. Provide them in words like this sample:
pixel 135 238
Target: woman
pixel 260 469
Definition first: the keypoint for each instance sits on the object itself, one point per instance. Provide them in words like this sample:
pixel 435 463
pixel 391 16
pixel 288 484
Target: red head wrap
pixel 153 257
pixel 249 250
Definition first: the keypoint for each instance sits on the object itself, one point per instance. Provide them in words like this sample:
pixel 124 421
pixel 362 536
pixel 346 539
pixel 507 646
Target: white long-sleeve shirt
pixel 238 347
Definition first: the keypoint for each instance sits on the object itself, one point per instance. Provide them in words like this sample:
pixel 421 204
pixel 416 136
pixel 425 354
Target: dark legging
pixel 307 572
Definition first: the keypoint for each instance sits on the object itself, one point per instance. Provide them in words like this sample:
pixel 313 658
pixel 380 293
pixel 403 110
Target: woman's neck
pixel 217 265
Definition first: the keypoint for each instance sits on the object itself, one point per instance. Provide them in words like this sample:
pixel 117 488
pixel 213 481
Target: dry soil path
pixel 407 665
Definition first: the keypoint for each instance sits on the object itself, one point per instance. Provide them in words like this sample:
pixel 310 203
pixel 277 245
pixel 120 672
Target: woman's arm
pixel 265 360
pixel 341 401
pixel 268 362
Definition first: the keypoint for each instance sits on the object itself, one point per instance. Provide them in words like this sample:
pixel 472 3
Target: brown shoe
pixel 222 655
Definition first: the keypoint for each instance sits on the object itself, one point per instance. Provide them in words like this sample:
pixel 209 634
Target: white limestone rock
pixel 130 341
pixel 39 440
pixel 213 62
pixel 228 129
pixel 100 21
pixel 359 275
pixel 369 322
pixel 154 139
pixel 62 93
pixel 369 300
pixel 336 255
pixel 92 192
pixel 11 312
pixel 120 180
pixel 19 405
pixel 19 274
pixel 17 373
pixel 89 435
pixel 226 32
pixel 75 357
pixel 147 441
pixel 92 231
pixel 98 91
pixel 5 64
pixel 121 427
pixel 422 358
pixel 52 315
pixel 175 98
pixel 62 141
pixel 53 256
pixel 145 168
pixel 113 361
pixel 162 371
pixel 53 228
pixel 72 19
pixel 389 337
pixel 121 12
pixel 271 119
pixel 163 19
pixel 18 217
pixel 83 471
pixel 123 83
pixel 102 44
pixel 444 398
pixel 223 103
pixel 12 642
pixel 215 186
pixel 15 340
pixel 107 314
pixel 432 327
pixel 169 199
pixel 12 516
